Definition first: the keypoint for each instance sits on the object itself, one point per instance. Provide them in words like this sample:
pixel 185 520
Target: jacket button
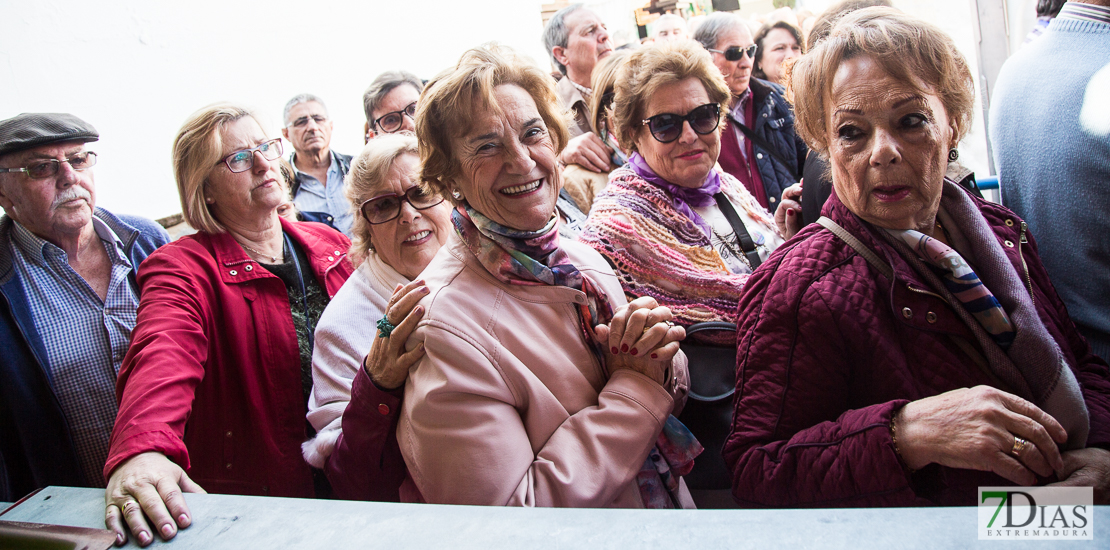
pixel 764 115
pixel 1009 223
pixel 249 267
pixel 336 252
pixel 331 258
pixel 771 199
pixel 233 272
pixel 759 155
pixel 931 317
pixel 228 434
pixel 228 465
pixel 1010 244
pixel 383 409
pixel 907 312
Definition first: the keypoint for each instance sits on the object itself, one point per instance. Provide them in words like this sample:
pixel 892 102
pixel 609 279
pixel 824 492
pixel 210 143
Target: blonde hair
pixel 907 48
pixel 366 177
pixel 603 81
pixel 654 66
pixel 197 150
pixel 450 101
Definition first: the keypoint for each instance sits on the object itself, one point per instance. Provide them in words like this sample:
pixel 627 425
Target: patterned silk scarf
pixel 684 197
pixel 534 258
pixel 963 283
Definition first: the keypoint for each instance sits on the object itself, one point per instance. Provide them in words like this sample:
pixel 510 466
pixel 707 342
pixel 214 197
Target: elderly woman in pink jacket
pixel 540 385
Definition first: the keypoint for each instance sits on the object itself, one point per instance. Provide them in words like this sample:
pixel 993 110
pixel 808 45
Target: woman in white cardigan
pixel 398 229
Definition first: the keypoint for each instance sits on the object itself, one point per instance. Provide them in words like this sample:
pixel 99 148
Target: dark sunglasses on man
pixel 666 127
pixel 49 168
pixel 391 122
pixel 735 52
pixel 384 208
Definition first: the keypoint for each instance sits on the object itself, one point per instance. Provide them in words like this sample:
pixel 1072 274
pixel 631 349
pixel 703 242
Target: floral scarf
pixel 534 258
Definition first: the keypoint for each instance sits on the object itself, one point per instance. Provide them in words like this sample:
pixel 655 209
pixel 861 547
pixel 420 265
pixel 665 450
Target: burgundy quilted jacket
pixel 829 350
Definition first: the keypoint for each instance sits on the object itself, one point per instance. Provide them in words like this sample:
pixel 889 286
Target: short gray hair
pixel 555 33
pixel 714 26
pixel 297 99
pixel 382 85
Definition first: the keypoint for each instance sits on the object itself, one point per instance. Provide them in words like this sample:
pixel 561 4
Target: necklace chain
pixel 273 259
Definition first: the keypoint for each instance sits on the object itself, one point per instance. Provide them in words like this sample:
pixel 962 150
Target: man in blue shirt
pixel 318 187
pixel 68 301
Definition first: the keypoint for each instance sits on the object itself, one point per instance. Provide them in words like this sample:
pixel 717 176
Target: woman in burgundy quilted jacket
pixel 913 348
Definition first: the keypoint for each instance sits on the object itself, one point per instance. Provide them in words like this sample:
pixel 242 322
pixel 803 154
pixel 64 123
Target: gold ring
pixel 1019 446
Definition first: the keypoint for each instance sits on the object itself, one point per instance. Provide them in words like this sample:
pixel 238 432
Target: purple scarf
pixel 684 197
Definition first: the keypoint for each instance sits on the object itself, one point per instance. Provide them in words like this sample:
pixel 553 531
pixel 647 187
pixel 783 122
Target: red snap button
pixel 384 409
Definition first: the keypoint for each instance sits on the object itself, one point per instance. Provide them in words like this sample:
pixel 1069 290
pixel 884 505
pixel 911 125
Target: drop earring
pixel 455 193
pixel 953 154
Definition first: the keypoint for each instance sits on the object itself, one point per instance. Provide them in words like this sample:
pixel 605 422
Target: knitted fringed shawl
pixel 657 251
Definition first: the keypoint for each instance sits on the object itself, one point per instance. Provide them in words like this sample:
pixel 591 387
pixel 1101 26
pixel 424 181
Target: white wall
pixel 135 69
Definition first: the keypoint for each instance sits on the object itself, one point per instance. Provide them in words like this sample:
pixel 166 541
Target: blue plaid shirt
pixel 85 337
pixel 316 197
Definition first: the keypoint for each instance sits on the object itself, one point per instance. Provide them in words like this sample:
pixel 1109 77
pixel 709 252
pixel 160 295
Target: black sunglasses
pixel 734 53
pixel 391 122
pixel 384 208
pixel 666 127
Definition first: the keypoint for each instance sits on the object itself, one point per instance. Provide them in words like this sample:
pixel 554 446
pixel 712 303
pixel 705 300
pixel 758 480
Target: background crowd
pixel 518 292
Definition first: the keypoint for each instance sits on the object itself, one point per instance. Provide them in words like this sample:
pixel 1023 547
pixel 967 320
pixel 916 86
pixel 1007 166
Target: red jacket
pixel 828 350
pixel 213 375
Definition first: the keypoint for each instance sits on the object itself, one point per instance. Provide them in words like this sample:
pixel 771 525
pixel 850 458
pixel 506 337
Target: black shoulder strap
pixel 746 242
pixel 766 147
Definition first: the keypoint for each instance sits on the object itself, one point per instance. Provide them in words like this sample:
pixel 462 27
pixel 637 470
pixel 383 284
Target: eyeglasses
pixel 49 168
pixel 241 161
pixel 384 208
pixel 391 122
pixel 301 122
pixel 666 127
pixel 735 52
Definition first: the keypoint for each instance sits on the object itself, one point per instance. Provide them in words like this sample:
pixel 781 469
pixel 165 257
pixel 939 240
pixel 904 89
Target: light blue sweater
pixel 1050 134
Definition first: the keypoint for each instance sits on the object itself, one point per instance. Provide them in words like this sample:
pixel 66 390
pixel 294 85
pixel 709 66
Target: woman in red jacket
pixel 913 348
pixel 218 374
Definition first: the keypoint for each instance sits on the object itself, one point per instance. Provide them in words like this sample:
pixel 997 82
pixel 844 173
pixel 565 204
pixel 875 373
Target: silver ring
pixel 1019 446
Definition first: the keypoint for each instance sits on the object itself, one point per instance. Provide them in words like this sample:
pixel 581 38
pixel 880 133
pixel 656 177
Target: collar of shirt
pixel 333 170
pixel 1085 12
pixel 740 104
pixel 36 248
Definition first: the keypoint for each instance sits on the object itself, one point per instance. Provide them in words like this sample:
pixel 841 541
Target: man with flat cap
pixel 68 300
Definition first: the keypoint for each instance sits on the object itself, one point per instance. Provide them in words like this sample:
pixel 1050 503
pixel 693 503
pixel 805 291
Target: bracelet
pixel 894 440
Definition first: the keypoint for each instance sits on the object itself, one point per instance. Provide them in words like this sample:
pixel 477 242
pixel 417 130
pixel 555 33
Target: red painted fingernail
pixel 624 347
pixel 633 352
pixel 789 211
pixel 655 356
pixel 615 350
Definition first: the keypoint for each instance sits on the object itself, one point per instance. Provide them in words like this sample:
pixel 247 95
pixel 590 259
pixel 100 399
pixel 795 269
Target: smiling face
pixel 888 146
pixel 507 162
pixel 308 128
pixel 237 199
pixel 687 160
pixel 408 242
pixel 737 73
pixel 587 43
pixel 778 46
pixel 54 207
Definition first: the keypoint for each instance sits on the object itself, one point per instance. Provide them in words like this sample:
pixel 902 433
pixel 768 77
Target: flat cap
pixel 28 130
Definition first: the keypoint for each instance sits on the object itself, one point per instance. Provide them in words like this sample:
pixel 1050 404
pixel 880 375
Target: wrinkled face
pixel 408 242
pixel 587 43
pixel 507 162
pixel 888 146
pixel 54 207
pixel 396 100
pixel 737 73
pixel 687 160
pixel 245 197
pixel 778 46
pixel 308 127
pixel 670 29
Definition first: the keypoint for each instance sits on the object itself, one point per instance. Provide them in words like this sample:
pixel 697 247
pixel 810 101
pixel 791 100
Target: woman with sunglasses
pixel 215 385
pixel 400 228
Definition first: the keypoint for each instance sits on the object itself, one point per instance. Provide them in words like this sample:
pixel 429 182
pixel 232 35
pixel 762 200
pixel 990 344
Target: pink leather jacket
pixel 510 407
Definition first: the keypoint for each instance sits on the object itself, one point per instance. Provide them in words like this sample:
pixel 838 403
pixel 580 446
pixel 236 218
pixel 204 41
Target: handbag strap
pixel 746 242
pixel 762 143
pixel 853 242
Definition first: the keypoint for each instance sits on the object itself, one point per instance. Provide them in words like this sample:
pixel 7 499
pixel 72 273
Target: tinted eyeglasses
pixel 384 208
pixel 735 52
pixel 666 127
pixel 391 122
pixel 241 161
pixel 49 168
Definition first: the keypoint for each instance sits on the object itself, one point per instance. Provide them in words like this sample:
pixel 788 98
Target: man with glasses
pixel 390 103
pixel 577 39
pixel 317 188
pixel 68 301
pixel 758 144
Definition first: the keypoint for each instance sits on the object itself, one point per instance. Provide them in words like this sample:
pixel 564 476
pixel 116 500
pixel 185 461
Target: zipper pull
pixel 1023 239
